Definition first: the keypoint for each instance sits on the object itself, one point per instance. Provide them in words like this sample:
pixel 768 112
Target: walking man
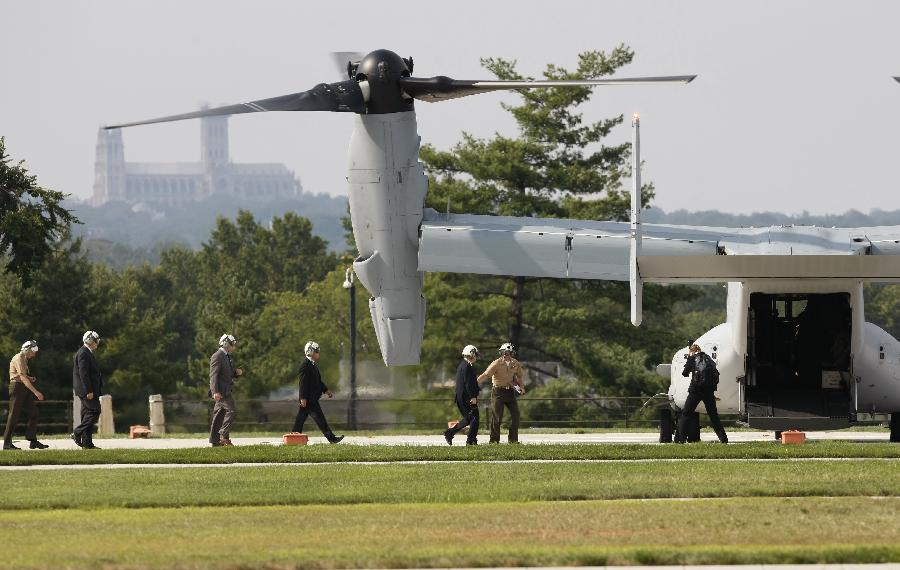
pixel 221 381
pixel 87 382
pixel 466 397
pixel 704 379
pixel 507 379
pixel 22 394
pixel 311 389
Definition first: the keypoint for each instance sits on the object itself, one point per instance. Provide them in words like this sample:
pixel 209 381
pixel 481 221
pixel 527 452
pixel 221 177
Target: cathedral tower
pixel 109 167
pixel 214 153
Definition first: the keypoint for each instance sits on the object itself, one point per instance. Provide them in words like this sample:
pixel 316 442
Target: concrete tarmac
pixel 438 439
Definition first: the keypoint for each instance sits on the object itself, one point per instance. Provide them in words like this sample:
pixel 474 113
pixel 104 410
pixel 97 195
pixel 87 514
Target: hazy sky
pixel 794 108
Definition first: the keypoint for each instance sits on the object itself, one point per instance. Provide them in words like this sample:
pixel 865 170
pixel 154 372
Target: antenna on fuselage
pixel 634 274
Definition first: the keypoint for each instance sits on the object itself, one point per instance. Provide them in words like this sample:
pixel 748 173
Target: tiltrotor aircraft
pixel 795 350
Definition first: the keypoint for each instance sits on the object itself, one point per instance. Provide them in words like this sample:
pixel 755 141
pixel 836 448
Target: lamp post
pixel 349 285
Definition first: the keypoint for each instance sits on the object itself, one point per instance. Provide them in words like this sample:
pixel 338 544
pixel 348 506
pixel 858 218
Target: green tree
pixel 882 306
pixel 554 167
pixel 558 166
pixel 147 337
pixel 54 308
pixel 31 217
pixel 232 279
pixel 290 319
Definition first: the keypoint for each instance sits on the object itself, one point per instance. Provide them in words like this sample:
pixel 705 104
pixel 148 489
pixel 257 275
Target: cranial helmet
pixel 507 348
pixel 30 346
pixel 227 339
pixel 311 347
pixel 90 337
pixel 470 350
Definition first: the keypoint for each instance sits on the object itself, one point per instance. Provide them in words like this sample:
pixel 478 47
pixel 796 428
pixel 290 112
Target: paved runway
pixel 437 439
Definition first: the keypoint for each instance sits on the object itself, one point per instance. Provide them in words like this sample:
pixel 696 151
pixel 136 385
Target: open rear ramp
pixel 799 364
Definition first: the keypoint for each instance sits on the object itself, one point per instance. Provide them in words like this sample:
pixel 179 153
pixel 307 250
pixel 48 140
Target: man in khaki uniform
pixel 507 378
pixel 21 395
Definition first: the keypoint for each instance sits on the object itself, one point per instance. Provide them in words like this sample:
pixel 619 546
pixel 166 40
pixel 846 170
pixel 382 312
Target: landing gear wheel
pixel 693 429
pixel 666 426
pixel 895 427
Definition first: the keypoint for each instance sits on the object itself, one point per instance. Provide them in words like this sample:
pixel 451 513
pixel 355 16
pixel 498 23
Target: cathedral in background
pixel 179 183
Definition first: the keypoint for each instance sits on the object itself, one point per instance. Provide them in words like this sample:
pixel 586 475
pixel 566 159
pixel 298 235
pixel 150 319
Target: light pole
pixel 350 285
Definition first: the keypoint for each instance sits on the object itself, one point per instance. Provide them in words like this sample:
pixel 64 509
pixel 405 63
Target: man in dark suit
pixel 701 389
pixel 221 381
pixel 311 389
pixel 466 397
pixel 87 382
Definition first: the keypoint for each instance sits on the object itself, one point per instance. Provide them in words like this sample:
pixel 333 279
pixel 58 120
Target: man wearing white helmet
pixel 507 379
pixel 221 381
pixel 87 383
pixel 466 397
pixel 311 389
pixel 22 394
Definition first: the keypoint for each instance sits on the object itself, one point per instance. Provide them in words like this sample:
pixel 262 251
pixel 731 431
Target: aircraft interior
pixel 799 364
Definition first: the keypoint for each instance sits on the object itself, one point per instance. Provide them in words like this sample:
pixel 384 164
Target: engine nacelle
pixel 387 187
pixel 877 372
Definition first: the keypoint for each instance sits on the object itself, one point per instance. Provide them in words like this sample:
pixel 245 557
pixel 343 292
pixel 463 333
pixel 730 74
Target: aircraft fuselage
pixel 798 354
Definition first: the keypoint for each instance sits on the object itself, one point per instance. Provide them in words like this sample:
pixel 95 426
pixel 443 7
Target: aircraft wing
pixel 584 249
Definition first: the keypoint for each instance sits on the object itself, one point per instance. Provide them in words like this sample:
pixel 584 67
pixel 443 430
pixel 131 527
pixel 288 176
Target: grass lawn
pixel 316 510
pixel 342 453
pixel 742 530
pixel 455 483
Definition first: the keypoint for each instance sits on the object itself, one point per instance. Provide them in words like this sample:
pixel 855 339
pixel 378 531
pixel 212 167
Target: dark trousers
pixel 20 398
pixel 469 418
pixel 90 413
pixel 708 397
pixel 500 398
pixel 222 418
pixel 314 409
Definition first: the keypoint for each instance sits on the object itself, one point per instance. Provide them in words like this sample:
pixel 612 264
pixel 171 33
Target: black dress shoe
pixel 449 437
pixel 35 444
pixel 9 445
pixel 335 438
pixel 77 440
pixel 90 445
pixel 471 443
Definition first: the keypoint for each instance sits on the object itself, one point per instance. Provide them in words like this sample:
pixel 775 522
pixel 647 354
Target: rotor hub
pixel 382 69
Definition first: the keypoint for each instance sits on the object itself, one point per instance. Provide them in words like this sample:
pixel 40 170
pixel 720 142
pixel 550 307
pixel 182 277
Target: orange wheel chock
pixel 295 438
pixel 138 431
pixel 793 437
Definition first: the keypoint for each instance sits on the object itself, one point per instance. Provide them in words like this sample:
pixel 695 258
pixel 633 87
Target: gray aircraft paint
pixel 387 187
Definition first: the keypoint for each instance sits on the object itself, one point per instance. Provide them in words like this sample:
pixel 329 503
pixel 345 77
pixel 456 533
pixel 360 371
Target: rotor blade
pixel 442 88
pixel 897 79
pixel 343 59
pixel 342 97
